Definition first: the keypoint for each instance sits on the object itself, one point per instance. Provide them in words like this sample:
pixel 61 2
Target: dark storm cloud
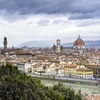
pixel 78 9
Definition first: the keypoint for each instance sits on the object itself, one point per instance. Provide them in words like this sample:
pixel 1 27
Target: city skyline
pixel 32 20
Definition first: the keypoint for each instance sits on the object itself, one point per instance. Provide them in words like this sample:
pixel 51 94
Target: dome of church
pixel 79 41
pixel 54 47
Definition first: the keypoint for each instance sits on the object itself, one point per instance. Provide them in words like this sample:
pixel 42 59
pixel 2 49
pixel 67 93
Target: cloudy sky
pixel 33 20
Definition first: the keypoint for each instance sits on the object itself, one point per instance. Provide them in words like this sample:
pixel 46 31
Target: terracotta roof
pixel 71 66
pixel 54 61
pixel 75 49
pixel 85 69
pixel 84 49
pixel 54 47
pixel 59 68
pixel 37 65
pixel 97 97
pixel 22 53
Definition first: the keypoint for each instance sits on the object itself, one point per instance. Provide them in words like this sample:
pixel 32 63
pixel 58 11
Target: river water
pixel 88 89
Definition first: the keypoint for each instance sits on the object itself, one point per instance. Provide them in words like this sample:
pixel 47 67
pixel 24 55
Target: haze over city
pixel 33 20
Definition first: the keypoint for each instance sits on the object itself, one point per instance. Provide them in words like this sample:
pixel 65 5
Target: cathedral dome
pixel 79 41
pixel 54 47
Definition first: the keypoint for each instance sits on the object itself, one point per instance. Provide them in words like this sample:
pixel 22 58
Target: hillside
pixel 87 43
pixel 50 44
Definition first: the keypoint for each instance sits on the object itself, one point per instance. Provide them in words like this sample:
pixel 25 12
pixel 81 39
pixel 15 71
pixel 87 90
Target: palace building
pixel 78 47
pixel 8 50
pixel 15 52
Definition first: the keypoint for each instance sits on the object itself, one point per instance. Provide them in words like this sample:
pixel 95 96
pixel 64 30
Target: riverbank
pixel 85 89
pixel 66 81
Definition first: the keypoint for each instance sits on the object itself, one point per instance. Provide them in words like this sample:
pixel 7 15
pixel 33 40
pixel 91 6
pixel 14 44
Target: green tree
pixel 44 67
pixel 15 85
pixel 67 93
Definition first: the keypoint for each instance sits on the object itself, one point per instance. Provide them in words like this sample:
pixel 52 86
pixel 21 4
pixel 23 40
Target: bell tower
pixel 5 43
pixel 58 46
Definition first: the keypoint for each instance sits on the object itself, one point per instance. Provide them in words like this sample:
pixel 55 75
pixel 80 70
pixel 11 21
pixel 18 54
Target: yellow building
pixel 69 62
pixel 70 70
pixel 96 69
pixel 62 62
pixel 85 73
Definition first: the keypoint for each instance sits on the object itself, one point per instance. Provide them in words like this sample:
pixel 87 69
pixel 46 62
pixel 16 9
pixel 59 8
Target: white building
pixel 23 67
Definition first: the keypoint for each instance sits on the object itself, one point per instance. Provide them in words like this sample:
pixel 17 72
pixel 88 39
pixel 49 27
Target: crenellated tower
pixel 5 43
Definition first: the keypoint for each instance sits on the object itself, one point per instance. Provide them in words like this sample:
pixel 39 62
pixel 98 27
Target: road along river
pixel 85 89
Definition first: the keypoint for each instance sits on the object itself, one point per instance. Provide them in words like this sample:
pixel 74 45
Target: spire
pixel 79 36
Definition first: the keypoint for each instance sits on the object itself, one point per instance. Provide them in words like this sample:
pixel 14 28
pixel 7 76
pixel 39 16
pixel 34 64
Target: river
pixel 88 89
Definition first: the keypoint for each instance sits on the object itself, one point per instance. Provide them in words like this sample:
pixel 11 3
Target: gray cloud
pixel 1 24
pixel 30 22
pixel 43 22
pixel 87 23
pixel 78 9
pixel 57 21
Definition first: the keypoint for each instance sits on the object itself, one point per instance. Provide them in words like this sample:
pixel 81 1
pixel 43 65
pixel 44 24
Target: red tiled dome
pixel 54 47
pixel 79 41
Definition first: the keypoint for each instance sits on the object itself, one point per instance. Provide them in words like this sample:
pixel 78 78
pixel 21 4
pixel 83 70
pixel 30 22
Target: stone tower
pixel 5 43
pixel 58 46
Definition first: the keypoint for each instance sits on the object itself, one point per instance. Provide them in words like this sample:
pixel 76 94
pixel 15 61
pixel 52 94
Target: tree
pixel 44 67
pixel 15 85
pixel 67 93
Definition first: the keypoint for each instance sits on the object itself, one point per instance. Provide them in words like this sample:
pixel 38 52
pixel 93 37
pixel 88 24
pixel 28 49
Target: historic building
pixel 70 70
pixel 14 52
pixel 3 51
pixel 96 69
pixel 5 43
pixel 85 73
pixel 78 47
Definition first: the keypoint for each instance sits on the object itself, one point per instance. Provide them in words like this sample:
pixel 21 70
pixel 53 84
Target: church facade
pixel 78 47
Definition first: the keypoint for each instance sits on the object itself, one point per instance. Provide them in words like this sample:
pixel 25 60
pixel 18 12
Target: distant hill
pixel 87 43
pixel 37 44
pixel 51 42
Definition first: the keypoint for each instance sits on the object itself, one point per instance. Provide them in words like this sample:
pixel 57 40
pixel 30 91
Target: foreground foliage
pixel 67 93
pixel 15 85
